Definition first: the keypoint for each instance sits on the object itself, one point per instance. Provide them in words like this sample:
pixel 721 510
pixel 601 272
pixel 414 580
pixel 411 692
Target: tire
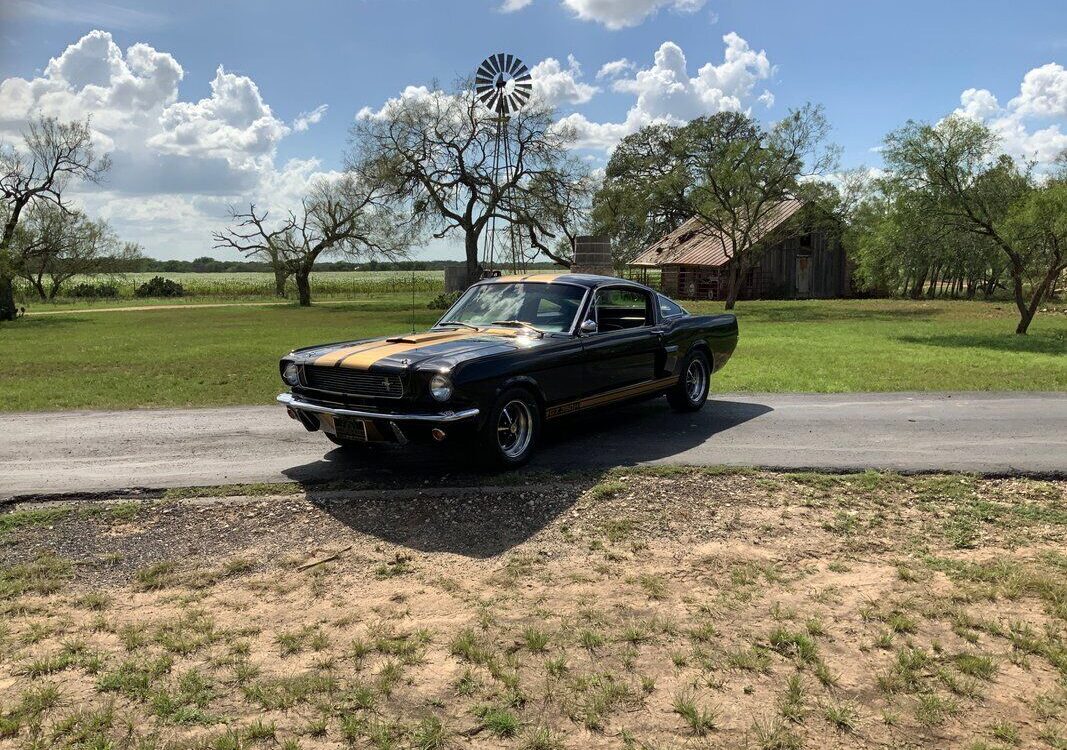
pixel 511 430
pixel 691 391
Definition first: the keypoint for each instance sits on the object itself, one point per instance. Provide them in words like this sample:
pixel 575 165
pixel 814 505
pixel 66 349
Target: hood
pixel 411 350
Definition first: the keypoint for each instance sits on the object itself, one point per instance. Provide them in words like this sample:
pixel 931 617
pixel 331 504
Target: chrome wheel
pixel 696 381
pixel 514 428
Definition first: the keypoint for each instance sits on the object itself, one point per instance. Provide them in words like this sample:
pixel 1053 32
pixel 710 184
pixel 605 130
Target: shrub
pixel 160 287
pixel 87 290
pixel 444 300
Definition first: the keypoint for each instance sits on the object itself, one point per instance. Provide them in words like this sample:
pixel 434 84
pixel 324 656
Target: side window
pixel 619 309
pixel 668 308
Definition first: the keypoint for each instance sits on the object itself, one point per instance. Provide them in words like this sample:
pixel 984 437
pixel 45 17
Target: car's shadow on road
pixel 623 436
pixel 513 506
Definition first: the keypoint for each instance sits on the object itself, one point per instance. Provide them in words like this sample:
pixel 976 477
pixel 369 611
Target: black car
pixel 510 354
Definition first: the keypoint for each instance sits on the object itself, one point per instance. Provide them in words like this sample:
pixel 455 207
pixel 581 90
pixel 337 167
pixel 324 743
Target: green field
pixel 242 285
pixel 228 355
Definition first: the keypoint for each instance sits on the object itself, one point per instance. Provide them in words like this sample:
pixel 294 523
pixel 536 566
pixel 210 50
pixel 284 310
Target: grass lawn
pixel 228 355
pixel 627 610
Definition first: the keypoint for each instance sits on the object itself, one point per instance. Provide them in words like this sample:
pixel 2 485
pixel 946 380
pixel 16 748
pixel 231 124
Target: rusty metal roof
pixel 691 244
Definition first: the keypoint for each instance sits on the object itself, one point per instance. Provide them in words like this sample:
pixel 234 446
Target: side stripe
pixel 619 394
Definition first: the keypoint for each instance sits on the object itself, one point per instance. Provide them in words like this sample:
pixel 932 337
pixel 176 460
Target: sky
pixel 203 105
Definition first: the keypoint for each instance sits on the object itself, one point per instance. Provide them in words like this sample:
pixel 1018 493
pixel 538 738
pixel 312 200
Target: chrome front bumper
pixel 293 402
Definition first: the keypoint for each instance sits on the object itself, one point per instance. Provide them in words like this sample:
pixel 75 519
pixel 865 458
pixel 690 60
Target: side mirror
pixel 588 326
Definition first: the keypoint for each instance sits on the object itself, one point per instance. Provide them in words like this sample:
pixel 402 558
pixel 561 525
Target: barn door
pixel 803 275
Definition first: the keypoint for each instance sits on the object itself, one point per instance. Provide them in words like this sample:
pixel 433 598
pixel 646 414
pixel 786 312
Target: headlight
pixel 441 387
pixel 291 374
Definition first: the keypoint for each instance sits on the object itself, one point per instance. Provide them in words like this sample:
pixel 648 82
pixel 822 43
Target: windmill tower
pixel 503 85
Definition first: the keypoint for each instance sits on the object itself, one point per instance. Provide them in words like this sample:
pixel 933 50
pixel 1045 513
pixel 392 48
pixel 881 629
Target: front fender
pixel 522 381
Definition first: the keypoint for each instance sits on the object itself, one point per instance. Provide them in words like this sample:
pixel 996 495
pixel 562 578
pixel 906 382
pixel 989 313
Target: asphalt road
pixel 978 432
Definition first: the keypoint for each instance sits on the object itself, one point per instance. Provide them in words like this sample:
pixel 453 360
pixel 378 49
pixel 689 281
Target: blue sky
pixel 186 152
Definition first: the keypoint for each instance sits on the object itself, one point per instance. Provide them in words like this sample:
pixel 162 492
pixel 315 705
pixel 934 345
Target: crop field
pixel 325 284
pixel 666 608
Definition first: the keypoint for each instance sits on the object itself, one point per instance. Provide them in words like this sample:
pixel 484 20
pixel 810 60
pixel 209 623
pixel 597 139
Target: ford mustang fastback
pixel 512 353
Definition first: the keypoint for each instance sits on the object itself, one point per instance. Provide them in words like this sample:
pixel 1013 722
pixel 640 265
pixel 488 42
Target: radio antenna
pixel 413 298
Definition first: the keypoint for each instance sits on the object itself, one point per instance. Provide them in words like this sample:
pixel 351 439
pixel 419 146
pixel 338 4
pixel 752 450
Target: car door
pixel 625 348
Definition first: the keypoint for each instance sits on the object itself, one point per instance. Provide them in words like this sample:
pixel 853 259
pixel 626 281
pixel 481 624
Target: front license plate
pixel 351 429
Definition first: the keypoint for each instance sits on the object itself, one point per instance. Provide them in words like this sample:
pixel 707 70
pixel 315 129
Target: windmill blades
pixel 487 96
pixel 521 94
pixel 503 83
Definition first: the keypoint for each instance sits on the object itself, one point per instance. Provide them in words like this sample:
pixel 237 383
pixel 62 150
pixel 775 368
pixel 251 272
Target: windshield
pixel 547 307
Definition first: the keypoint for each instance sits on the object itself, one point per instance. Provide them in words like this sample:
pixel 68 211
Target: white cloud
pixel 415 93
pixel 1043 92
pixel 556 85
pixel 1042 95
pixel 619 14
pixel 94 77
pixel 305 120
pixel 176 165
pixel 665 92
pixel 233 123
pixel 978 104
pixel 510 6
pixel 615 68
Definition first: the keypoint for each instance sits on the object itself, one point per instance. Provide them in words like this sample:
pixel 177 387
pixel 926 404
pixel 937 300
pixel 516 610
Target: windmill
pixel 503 85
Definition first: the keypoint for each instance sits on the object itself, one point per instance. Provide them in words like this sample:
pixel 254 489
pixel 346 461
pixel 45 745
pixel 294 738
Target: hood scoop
pixel 426 338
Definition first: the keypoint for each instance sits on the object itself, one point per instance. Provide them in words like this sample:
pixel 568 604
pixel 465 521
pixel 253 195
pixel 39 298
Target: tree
pixel 346 215
pixel 252 238
pixel 735 174
pixel 556 204
pixel 631 207
pixel 436 154
pixel 54 154
pixel 959 173
pixel 53 245
pixel 726 170
pixel 1038 225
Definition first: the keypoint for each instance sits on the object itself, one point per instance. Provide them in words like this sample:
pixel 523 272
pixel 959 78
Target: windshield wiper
pixel 518 324
pixel 457 323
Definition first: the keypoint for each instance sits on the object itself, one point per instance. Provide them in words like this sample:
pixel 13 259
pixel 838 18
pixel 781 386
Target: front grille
pixel 353 382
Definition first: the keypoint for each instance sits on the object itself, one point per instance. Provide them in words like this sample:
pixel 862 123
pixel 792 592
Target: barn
pixel 802 258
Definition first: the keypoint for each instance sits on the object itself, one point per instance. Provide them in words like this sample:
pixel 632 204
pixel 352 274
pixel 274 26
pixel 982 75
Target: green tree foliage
pixel 899 248
pixel 53 245
pixel 726 170
pixel 956 174
pixel 633 206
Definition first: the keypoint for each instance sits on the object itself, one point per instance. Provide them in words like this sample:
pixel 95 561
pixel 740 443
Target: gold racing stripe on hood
pixel 540 278
pixel 362 356
pixel 332 358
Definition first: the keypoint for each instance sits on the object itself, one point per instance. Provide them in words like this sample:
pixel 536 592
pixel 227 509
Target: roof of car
pixel 590 280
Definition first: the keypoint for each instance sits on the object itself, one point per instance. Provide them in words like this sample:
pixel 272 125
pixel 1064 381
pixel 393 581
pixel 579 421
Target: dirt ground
pixel 665 608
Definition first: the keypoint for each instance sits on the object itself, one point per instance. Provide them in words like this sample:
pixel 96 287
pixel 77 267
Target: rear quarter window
pixel 668 308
